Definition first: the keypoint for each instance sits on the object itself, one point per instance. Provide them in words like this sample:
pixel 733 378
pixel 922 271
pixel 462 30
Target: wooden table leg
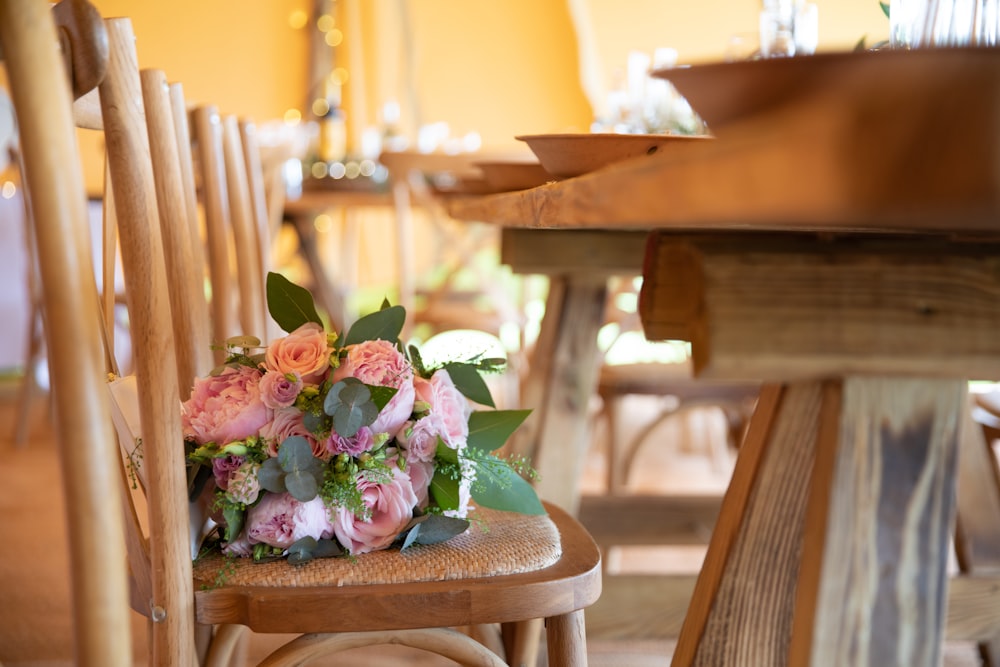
pixel 832 544
pixel 561 382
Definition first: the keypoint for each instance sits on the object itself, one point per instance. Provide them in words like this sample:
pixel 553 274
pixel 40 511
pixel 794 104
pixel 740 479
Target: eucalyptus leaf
pixel 316 424
pixel 385 324
pixel 349 403
pixel 295 453
pixel 468 381
pixel 444 490
pixel 499 487
pixel 271 476
pixel 328 549
pixel 489 429
pixel 302 485
pixel 290 305
pixel 410 537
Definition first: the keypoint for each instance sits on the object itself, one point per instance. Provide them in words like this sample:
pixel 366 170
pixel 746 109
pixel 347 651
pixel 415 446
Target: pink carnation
pixel 279 390
pixel 304 351
pixel 362 441
pixel 379 363
pixel 391 508
pixel 279 520
pixel 226 407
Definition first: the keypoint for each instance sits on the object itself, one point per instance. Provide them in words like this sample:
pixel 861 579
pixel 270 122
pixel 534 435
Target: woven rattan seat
pixel 496 544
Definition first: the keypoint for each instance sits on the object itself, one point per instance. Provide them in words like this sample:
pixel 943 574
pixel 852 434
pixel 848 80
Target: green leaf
pixel 295 454
pixel 233 517
pixel 432 529
pixel 444 490
pixel 445 453
pixel 271 476
pixel 302 485
pixel 381 395
pixel 349 403
pixel 384 324
pixel 301 551
pixel 885 8
pixel 290 305
pixel 499 487
pixel 468 381
pixel 489 429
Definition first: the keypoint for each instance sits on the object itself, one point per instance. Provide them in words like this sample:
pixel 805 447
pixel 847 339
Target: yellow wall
pixel 497 68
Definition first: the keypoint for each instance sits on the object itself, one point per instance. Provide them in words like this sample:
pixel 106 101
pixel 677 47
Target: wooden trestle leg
pixel 832 544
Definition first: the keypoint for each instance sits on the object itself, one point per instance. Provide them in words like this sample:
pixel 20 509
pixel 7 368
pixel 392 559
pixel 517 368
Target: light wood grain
pixel 761 306
pixel 839 156
pixel 149 311
pixel 882 588
pixel 41 99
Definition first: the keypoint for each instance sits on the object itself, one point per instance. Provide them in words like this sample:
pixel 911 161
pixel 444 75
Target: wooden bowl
pixel 569 155
pixel 506 176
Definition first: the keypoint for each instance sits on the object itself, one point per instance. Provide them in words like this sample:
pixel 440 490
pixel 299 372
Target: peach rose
pixel 304 351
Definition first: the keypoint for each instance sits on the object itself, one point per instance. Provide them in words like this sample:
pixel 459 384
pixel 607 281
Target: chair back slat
pixel 42 102
pixel 246 234
pixel 182 132
pixel 187 301
pixel 172 633
pixel 207 134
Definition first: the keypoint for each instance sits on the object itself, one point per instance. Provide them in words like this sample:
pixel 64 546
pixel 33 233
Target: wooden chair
pixel 189 626
pixel 42 101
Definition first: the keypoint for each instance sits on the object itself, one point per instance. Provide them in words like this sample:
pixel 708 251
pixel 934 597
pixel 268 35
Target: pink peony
pixel 391 508
pixel 448 407
pixel 286 423
pixel 304 351
pixel 226 407
pixel 279 520
pixel 379 363
pixel 279 390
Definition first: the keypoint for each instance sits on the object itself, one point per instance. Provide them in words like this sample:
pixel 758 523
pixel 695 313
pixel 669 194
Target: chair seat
pixel 510 568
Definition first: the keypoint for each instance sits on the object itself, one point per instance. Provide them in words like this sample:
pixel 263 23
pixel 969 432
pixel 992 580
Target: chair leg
pixel 521 642
pixel 566 637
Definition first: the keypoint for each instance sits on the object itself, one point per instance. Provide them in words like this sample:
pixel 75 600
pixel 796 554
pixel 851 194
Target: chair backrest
pixel 49 150
pixel 171 596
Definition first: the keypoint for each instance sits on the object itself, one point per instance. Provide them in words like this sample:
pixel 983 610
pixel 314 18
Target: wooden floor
pixel 35 624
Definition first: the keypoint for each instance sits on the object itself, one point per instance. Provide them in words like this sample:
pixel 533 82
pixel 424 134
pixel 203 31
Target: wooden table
pixel 843 244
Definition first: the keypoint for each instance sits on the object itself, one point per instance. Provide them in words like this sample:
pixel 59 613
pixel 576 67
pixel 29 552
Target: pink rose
pixel 421 473
pixel 391 507
pixel 226 407
pixel 419 439
pixel 286 423
pixel 361 441
pixel 279 520
pixel 279 390
pixel 448 407
pixel 379 363
pixel 304 351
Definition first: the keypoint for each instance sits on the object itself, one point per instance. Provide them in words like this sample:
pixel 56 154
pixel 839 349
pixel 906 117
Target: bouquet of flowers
pixel 323 445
